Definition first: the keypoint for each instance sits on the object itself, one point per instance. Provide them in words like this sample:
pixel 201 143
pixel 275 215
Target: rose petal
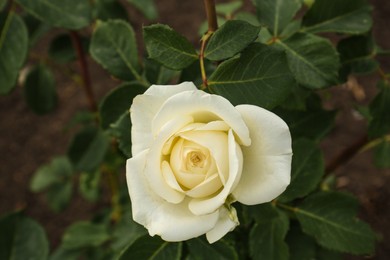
pixel 267 162
pixel 227 221
pixel 205 206
pixel 173 222
pixel 145 107
pixel 206 188
pixel 169 176
pixel 204 108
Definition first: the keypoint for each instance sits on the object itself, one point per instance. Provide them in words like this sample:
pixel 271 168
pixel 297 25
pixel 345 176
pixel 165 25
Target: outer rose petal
pixel 145 107
pixel 267 162
pixel 227 221
pixel 173 222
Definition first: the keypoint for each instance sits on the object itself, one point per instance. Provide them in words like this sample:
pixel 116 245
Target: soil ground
pixel 28 141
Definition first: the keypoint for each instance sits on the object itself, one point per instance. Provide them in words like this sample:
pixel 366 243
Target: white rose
pixel 194 154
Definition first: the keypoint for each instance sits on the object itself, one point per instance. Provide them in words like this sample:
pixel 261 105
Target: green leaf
pixel 117 102
pixel 147 7
pixel 89 185
pixel 39 90
pixel 13 50
pixel 347 16
pixel 59 194
pixel 301 246
pixel 84 234
pixel 312 59
pixel 2 4
pixel 56 171
pixel 247 17
pixel 35 27
pixel 230 39
pixel 114 47
pixel 227 9
pixel 380 112
pixel 203 28
pixel 109 9
pixel 201 249
pixel 158 74
pixel 61 48
pixel 69 14
pixel 168 47
pixel 325 254
pixel 307 170
pixel 276 14
pixel 147 247
pixel 330 218
pixel 22 238
pixel 88 149
pixel 65 254
pixel 297 98
pixel 260 76
pixel 193 73
pixel 122 130
pixel 266 239
pixel 382 155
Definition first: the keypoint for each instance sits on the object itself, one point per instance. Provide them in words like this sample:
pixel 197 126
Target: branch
pixel 211 15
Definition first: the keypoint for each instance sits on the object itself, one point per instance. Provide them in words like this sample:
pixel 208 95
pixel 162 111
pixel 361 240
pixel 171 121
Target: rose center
pixel 195 159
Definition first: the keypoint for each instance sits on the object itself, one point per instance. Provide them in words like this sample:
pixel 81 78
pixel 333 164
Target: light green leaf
pixel 380 112
pixel 13 50
pixel 168 47
pixel 117 102
pixel 260 76
pixel 89 185
pixel 347 16
pixel 39 90
pixel 114 47
pixel 147 7
pixel 276 14
pixel 122 130
pixel 147 247
pixel 84 234
pixel 69 14
pixel 307 170
pixel 22 238
pixel 266 239
pixel 330 218
pixel 230 39
pixel 88 149
pixel 227 9
pixel 109 9
pixel 312 59
pixel 382 155
pixel 201 249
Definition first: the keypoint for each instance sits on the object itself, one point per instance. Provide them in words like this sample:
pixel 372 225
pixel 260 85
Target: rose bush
pixel 194 154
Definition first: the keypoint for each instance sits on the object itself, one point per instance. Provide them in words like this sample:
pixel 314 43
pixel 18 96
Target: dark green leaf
pixel 312 59
pixel 201 249
pixel 13 50
pixel 204 26
pixel 276 14
pixel 158 74
pixel 89 185
pixel 380 112
pixel 260 76
pixel 122 130
pixel 227 9
pixel 36 28
pixel 61 48
pixel 193 74
pixel 325 254
pixel 301 246
pixel 69 14
pixel 88 148
pixel 59 194
pixel 230 39
pixel 84 234
pixel 117 102
pixel 65 254
pixel 307 170
pixel 168 47
pixel 330 218
pixel 39 90
pixel 297 98
pixel 347 16
pixel 2 4
pixel 22 238
pixel 113 45
pixel 58 170
pixel 382 155
pixel 266 239
pixel 147 7
pixel 110 9
pixel 147 247
pixel 291 28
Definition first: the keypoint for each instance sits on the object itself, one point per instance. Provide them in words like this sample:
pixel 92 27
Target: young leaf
pixel 13 50
pixel 88 149
pixel 122 130
pixel 147 7
pixel 380 112
pixel 307 170
pixel 230 39
pixel 168 47
pixel 69 14
pixel 266 239
pixel 114 47
pixel 382 155
pixel 84 234
pixel 260 76
pixel 39 90
pixel 22 238
pixel 117 102
pixel 347 16
pixel 312 59
pixel 330 218
pixel 201 249
pixel 147 247
pixel 276 14
pixel 110 9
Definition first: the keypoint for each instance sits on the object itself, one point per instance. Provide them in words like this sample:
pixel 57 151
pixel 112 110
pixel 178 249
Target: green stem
pixel 115 197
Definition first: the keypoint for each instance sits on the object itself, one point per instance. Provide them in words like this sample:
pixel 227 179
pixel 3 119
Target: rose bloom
pixel 194 154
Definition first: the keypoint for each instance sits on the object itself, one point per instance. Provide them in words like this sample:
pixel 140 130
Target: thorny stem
pixel 84 70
